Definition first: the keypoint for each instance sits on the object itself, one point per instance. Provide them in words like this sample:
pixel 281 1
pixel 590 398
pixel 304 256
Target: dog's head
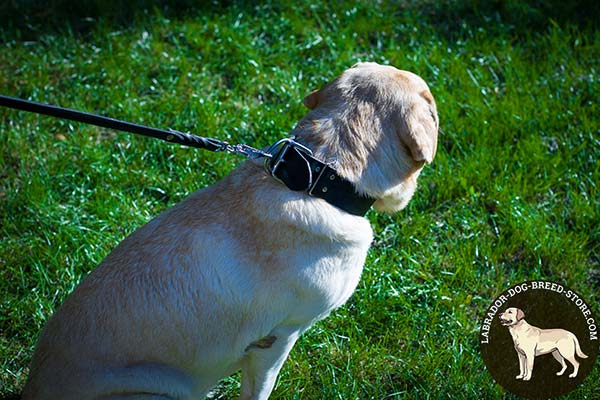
pixel 511 316
pixel 378 125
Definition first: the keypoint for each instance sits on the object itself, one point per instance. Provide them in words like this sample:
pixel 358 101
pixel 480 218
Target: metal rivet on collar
pixel 324 190
pixel 331 177
pixel 317 169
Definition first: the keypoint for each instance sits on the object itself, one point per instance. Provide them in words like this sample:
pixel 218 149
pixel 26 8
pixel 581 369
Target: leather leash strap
pixel 287 161
pixel 169 135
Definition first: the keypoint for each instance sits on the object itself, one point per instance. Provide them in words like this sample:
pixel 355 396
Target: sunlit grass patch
pixel 512 194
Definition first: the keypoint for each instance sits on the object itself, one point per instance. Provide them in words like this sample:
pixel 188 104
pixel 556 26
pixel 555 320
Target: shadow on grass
pixel 521 17
pixel 10 397
pixel 28 20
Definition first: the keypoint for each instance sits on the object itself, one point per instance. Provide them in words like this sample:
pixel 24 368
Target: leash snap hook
pixel 242 150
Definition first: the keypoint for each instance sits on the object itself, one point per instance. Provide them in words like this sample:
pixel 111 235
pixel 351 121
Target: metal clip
pixel 243 150
pixel 249 151
pixel 288 142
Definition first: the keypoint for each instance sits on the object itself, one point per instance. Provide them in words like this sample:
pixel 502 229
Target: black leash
pixel 172 136
pixel 287 161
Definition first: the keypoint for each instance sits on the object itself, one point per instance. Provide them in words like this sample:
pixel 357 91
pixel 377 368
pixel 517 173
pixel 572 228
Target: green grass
pixel 512 194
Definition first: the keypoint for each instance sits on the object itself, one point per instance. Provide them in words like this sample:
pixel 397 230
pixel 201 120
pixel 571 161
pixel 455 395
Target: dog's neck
pixel 276 203
pixel 320 134
pixel 364 149
pixel 295 166
pixel 519 327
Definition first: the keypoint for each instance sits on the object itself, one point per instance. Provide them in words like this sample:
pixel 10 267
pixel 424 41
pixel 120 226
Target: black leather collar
pixel 293 165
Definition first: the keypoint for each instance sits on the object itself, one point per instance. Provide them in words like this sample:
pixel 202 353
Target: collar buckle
pixel 278 152
pixel 294 165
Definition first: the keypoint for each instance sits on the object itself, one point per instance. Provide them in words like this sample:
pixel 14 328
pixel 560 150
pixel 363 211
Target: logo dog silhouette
pixel 531 341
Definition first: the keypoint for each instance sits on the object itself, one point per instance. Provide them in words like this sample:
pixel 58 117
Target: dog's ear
pixel 520 314
pixel 421 129
pixel 312 100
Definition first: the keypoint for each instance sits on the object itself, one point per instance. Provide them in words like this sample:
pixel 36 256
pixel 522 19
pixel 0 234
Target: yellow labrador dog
pixel 229 278
pixel 531 341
